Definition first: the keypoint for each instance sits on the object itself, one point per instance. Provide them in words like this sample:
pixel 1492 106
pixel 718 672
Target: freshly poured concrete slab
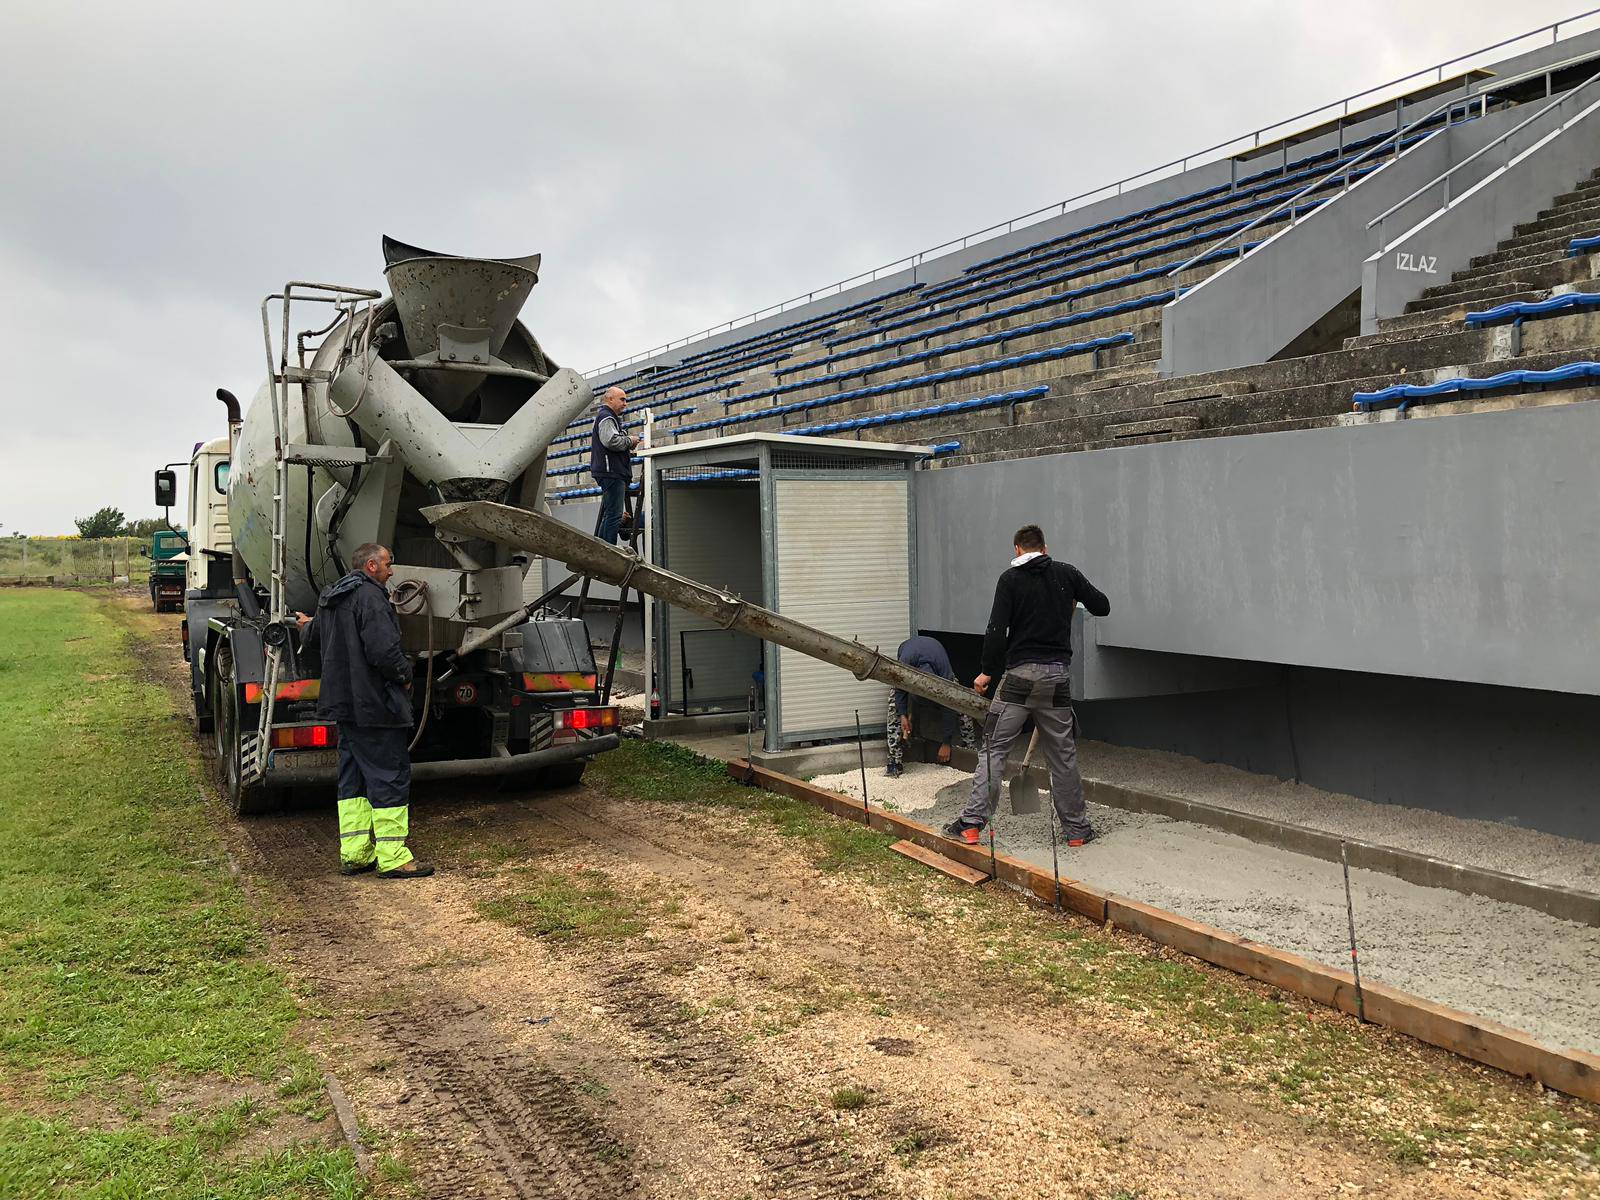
pixel 1526 969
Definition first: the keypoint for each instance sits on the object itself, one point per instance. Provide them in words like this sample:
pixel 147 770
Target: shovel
pixel 1023 791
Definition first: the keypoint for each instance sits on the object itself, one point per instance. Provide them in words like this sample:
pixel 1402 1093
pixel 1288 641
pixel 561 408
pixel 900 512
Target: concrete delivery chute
pixel 543 535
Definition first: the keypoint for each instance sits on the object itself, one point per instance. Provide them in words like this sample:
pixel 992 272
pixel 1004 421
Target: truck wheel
pixel 246 799
pixel 154 599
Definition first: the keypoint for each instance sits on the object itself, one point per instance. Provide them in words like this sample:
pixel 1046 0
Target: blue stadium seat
pixel 1582 245
pixel 914 381
pixel 1524 310
pixel 1408 393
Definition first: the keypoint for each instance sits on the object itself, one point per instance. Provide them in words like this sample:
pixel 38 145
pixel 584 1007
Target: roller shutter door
pixel 843 559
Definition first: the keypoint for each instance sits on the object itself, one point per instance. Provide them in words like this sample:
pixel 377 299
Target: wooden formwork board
pixel 1566 1070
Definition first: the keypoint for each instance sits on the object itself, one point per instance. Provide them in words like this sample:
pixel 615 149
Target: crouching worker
pixel 366 681
pixel 925 654
pixel 1029 645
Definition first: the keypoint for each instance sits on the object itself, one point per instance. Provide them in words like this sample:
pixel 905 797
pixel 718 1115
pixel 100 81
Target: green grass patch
pixel 671 774
pixel 849 1099
pixel 127 955
pixel 581 906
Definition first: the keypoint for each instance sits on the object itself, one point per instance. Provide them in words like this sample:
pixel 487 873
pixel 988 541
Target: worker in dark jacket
pixel 366 684
pixel 611 461
pixel 925 654
pixel 1029 645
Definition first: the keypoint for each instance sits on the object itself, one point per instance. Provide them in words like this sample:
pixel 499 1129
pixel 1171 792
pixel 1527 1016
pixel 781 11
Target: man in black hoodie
pixel 1029 645
pixel 366 682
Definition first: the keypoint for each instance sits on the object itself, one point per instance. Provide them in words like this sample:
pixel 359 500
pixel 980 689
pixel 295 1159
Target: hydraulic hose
pixel 411 598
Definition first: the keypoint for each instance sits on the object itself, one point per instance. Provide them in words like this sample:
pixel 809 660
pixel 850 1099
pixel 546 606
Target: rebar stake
pixel 861 755
pixel 1055 863
pixel 994 871
pixel 1350 916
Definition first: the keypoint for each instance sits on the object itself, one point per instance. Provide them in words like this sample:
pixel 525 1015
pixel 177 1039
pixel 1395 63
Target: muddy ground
pixel 747 1024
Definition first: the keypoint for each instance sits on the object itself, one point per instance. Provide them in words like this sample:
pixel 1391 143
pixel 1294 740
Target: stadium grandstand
pixel 1317 406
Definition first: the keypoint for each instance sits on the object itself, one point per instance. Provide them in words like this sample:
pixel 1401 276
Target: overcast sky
pixel 677 164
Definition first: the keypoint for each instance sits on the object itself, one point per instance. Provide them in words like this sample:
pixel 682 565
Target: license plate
pixel 298 759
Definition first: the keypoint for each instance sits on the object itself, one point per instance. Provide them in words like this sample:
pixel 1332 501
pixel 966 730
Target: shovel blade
pixel 1024 794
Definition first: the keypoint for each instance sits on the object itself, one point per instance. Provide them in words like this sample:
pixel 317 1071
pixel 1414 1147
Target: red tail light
pixel 575 719
pixel 304 737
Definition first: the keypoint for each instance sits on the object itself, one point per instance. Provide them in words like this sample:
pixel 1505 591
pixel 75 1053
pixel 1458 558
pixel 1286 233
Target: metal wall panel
pixel 713 534
pixel 1455 547
pixel 843 563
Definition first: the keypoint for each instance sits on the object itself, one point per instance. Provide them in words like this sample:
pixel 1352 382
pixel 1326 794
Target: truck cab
pixel 207 582
pixel 168 553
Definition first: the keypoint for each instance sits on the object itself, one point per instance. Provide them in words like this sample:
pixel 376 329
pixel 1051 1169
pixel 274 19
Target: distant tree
pixel 108 522
pixel 146 526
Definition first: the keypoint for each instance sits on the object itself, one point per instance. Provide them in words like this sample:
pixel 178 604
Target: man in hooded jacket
pixel 1029 645
pixel 366 681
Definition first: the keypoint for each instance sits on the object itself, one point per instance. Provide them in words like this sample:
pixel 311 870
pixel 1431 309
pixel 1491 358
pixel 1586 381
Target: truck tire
pixel 245 799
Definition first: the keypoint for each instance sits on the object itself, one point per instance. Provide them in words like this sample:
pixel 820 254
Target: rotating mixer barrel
pixel 438 392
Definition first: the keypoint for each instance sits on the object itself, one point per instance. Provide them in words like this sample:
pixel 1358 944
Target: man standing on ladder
pixel 1029 645
pixel 365 689
pixel 611 462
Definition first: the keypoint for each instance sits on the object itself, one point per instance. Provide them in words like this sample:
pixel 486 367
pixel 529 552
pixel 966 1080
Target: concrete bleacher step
pixel 1517 251
pixel 1310 406
pixel 1140 429
pixel 1203 391
pixel 1564 219
pixel 1470 302
pixel 1541 275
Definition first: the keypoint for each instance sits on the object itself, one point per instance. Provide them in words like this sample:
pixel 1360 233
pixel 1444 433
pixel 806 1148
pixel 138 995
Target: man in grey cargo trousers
pixel 1029 645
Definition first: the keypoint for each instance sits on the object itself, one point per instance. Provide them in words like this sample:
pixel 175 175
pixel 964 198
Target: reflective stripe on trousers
pixel 356 847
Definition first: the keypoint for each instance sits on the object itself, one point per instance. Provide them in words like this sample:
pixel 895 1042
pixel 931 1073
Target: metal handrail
pixel 1394 139
pixel 1060 207
pixel 1444 177
pixel 1346 169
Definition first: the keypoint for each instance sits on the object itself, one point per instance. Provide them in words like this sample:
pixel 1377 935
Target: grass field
pixel 146 1046
pixel 72 558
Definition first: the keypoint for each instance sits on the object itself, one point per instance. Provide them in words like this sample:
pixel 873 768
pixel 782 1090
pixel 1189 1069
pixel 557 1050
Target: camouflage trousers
pixel 956 729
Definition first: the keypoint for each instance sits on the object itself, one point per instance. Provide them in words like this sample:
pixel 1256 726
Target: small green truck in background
pixel 169 563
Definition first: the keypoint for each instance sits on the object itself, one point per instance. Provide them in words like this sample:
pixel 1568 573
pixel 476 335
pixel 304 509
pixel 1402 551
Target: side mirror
pixel 166 488
pixel 144 551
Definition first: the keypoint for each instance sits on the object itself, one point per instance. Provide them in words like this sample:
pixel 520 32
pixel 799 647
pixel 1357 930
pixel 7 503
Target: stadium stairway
pixel 1297 393
pixel 1530 265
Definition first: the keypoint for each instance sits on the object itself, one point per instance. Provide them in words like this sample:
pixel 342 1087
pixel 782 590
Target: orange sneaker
pixel 956 831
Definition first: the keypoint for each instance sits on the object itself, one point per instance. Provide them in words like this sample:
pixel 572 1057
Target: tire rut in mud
pixel 797 1159
pixel 492 1120
pixel 536 1135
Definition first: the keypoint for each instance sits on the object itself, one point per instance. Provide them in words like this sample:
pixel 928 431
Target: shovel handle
pixel 1033 744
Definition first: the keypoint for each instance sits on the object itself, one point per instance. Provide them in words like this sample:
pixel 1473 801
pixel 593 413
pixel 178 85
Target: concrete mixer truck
pixel 375 407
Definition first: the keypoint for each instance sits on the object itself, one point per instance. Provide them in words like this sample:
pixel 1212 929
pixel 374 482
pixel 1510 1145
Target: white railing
pixel 1244 142
pixel 1375 226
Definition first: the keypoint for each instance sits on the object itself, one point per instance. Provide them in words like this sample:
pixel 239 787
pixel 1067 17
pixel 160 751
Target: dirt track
pixel 718 1046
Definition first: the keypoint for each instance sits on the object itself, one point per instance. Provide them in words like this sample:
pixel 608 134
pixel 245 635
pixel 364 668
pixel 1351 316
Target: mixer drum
pixel 432 290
